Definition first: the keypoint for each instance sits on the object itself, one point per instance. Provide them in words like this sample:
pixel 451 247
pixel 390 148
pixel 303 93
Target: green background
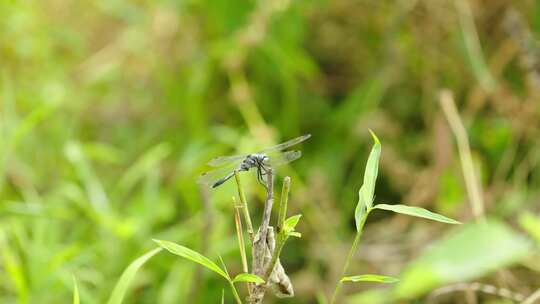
pixel 109 110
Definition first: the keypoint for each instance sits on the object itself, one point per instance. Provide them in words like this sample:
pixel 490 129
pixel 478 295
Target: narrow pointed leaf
pixel 370 278
pixel 248 277
pixel 416 211
pixel 122 285
pixel 192 256
pixel 372 170
pixel 291 223
pixel 367 190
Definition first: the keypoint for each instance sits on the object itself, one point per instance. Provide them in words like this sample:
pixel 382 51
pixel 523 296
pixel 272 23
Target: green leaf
pixel 192 256
pixel 370 278
pixel 122 285
pixel 223 296
pixel 416 211
pixel 360 209
pixel 248 277
pixel 469 252
pixel 295 234
pixel 76 299
pixel 367 190
pixel 372 169
pixel 531 224
pixel 290 223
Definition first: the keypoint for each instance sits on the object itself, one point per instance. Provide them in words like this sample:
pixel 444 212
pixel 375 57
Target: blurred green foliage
pixel 110 109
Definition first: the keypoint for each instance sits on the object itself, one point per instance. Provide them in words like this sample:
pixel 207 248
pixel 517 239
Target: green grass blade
pixel 370 278
pixel 418 212
pixel 367 190
pixel 372 170
pixel 248 277
pixel 192 256
pixel 122 285
pixel 76 299
pixel 361 208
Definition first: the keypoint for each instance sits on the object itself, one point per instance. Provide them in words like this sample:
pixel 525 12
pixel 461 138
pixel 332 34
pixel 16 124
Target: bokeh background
pixel 109 110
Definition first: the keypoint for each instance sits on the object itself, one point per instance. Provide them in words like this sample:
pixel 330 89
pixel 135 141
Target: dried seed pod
pixel 279 281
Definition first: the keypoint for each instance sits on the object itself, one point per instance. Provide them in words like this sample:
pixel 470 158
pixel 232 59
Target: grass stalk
pixel 235 293
pixel 350 256
pixel 472 183
pixel 240 236
pixel 267 211
pixel 243 201
pixel 231 283
pixel 283 202
pixel 281 237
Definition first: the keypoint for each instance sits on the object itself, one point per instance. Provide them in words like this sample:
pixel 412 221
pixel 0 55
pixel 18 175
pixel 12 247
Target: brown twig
pixel 268 203
pixel 260 244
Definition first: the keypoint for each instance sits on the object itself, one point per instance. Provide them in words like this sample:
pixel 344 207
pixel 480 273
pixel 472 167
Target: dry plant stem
pixel 240 236
pixel 268 204
pixel 260 245
pixel 350 256
pixel 469 172
pixel 243 201
pixel 275 256
pixel 532 298
pixel 281 219
pixel 241 245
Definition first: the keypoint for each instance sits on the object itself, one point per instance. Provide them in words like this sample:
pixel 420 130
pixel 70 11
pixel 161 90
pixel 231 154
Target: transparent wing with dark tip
pixel 286 144
pixel 222 160
pixel 280 159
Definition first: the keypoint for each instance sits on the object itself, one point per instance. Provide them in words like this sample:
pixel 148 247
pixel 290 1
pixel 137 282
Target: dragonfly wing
pixel 210 177
pixel 286 144
pixel 222 160
pixel 280 159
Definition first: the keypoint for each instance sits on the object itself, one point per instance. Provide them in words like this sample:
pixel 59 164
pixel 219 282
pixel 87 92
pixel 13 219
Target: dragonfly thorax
pixel 253 161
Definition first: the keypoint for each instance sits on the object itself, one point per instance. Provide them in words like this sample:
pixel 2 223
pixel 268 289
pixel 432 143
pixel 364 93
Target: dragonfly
pixel 262 161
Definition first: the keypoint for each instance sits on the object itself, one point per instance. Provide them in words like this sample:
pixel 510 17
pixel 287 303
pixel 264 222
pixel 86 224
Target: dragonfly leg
pixel 260 175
